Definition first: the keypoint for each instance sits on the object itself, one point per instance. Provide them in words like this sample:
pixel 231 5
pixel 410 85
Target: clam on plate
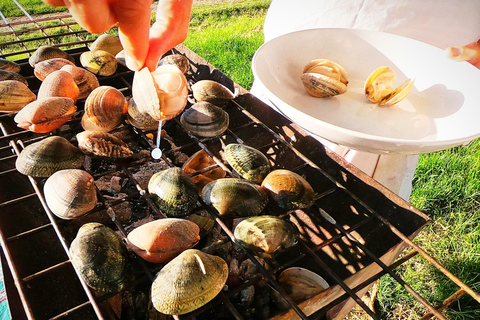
pixel 440 112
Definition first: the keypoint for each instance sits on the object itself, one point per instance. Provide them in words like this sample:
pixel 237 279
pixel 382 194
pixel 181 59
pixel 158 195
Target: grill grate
pixel 354 232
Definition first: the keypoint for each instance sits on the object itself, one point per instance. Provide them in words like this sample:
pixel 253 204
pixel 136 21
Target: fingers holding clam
pixel 103 144
pixel 379 87
pixel 324 78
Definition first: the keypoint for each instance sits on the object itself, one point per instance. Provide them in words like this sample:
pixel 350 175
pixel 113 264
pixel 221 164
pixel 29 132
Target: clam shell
pixel 139 119
pixel 161 240
pixel 10 75
pixel 120 57
pixel 100 257
pixel 44 68
pixel 43 158
pixel 162 93
pixel 379 87
pixel 14 95
pixel 105 109
pixel 178 60
pixel 70 193
pixel 46 53
pixel 173 191
pixel 199 161
pixel 188 282
pixel 205 119
pixel 46 115
pixel 203 220
pixel 59 83
pixel 235 197
pixel 289 190
pixel 211 91
pixel 84 79
pixel 103 144
pixel 249 162
pixel 99 62
pixel 107 42
pixel 324 78
pixel 301 284
pixel 8 65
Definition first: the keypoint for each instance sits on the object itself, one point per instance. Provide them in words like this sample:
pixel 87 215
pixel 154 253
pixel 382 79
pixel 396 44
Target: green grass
pixel 10 9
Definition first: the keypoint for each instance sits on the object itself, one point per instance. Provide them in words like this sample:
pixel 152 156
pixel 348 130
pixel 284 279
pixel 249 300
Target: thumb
pixel 469 53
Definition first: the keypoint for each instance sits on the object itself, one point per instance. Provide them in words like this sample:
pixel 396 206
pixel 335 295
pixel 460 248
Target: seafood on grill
pixel 84 79
pixel 120 57
pixel 235 197
pixel 101 258
pixel 107 42
pixel 70 193
pixel 188 282
pixel 45 157
pixel 162 93
pixel 266 234
pixel 212 91
pixel 205 119
pixel 324 78
pixel 47 52
pixel 103 144
pixel 44 68
pixel 199 161
pixel 46 115
pixel 178 60
pixel 10 75
pixel 140 119
pixel 99 62
pixel 59 83
pixel 379 87
pixel 173 191
pixel 289 190
pixel 14 95
pixel 301 284
pixel 8 65
pixel 161 240
pixel 203 220
pixel 105 109
pixel 249 162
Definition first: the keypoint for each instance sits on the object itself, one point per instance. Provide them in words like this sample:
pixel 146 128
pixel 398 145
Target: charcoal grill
pixel 354 233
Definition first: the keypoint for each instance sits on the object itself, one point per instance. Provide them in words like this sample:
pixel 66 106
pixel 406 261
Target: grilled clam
pixel 379 87
pixel 161 93
pixel 47 52
pixel 289 190
pixel 99 62
pixel 301 284
pixel 161 240
pixel 203 220
pixel 204 119
pixel 188 282
pixel 267 234
pixel 324 78
pixel 173 191
pixel 235 197
pixel 70 193
pixel 84 79
pixel 178 60
pixel 107 42
pixel 14 95
pixel 10 75
pixel 46 114
pixel 100 257
pixel 139 119
pixel 105 109
pixel 43 158
pixel 8 65
pixel 199 161
pixel 59 83
pixel 250 163
pixel 212 91
pixel 44 68
pixel 103 144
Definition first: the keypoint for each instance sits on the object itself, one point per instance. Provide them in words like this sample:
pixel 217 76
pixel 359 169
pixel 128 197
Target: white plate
pixel 441 111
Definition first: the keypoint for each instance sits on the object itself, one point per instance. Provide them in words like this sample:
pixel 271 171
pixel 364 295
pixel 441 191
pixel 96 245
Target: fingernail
pixel 132 64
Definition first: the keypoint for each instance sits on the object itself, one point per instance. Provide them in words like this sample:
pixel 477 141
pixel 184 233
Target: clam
pixel 250 163
pixel 188 282
pixel 70 193
pixel 204 119
pixel 59 83
pixel 46 53
pixel 173 191
pixel 8 65
pixel 43 158
pixel 107 42
pixel 199 161
pixel 235 197
pixel 289 190
pixel 84 79
pixel 161 240
pixel 14 95
pixel 161 93
pixel 212 91
pixel 100 257
pixel 99 62
pixel 10 75
pixel 178 60
pixel 46 114
pixel 105 109
pixel 267 234
pixel 120 57
pixel 379 87
pixel 203 220
pixel 301 284
pixel 324 78
pixel 103 144
pixel 44 68
pixel 139 119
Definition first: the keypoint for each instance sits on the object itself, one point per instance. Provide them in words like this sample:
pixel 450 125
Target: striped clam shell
pixel 48 52
pixel 249 162
pixel 8 65
pixel 205 119
pixel 10 75
pixel 103 144
pixel 14 95
pixel 59 83
pixel 105 109
pixel 99 62
pixel 44 68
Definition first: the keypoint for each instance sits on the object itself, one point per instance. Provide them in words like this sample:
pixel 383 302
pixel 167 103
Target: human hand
pixel 470 53
pixel 143 45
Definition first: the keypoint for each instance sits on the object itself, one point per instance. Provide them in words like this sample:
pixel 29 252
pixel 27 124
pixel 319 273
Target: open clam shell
pixel 10 75
pixel 379 87
pixel 324 78
pixel 14 95
pixel 105 109
pixel 188 282
pixel 199 161
pixel 301 284
pixel 204 119
pixel 8 65
pixel 99 62
pixel 59 83
pixel 212 91
pixel 44 68
pixel 107 42
pixel 249 162
pixel 103 144
pixel 47 52
pixel 84 79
